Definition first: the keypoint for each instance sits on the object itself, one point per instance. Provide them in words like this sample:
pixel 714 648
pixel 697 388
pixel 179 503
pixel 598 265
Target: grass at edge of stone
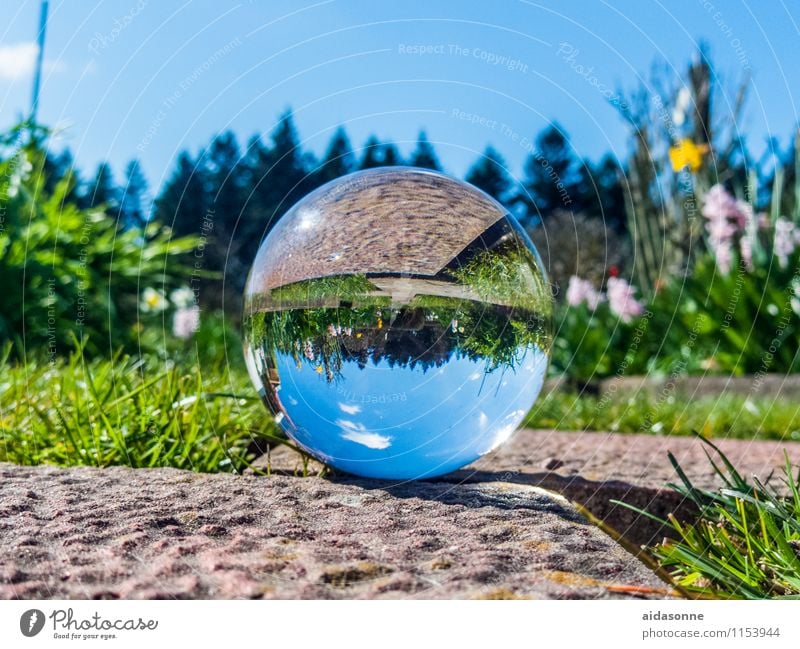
pixel 734 416
pixel 746 541
pixel 138 412
pixel 205 416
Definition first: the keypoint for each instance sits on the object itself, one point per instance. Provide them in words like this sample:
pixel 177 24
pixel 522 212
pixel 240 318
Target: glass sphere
pixel 397 323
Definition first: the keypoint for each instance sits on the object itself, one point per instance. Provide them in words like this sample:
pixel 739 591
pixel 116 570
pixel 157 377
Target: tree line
pixel 241 193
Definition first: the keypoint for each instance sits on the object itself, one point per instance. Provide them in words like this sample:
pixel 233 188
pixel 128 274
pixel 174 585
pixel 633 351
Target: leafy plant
pixel 592 344
pixel 736 311
pixel 68 271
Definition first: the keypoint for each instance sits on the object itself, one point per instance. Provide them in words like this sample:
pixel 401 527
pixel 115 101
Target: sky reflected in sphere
pixel 397 324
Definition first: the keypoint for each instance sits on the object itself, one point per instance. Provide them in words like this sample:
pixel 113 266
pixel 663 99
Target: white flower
pixel 153 301
pixel 185 322
pixel 24 166
pixel 182 297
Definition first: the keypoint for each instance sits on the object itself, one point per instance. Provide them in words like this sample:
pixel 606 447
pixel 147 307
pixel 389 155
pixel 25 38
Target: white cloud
pixel 354 432
pixel 18 60
pixel 370 440
pixel 350 410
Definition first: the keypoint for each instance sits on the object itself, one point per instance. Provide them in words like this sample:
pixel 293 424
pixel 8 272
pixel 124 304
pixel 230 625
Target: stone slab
pixel 595 470
pixel 162 533
pixel 636 459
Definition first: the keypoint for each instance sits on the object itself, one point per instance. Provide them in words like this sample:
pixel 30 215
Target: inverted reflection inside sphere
pixel 397 323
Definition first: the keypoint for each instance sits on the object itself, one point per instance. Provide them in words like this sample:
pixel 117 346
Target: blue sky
pixel 140 78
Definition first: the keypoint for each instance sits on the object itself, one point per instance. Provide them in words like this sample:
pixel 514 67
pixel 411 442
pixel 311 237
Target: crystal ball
pixel 397 323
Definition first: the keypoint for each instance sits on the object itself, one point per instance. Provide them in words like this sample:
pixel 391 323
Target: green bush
pixel 72 273
pixel 741 322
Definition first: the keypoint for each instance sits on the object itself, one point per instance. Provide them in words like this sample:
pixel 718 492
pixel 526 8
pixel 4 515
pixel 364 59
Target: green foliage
pixel 431 328
pixel 699 316
pixel 552 178
pixel 746 321
pixel 746 542
pixel 216 341
pixel 507 275
pixel 743 322
pixel 379 154
pixel 339 159
pixel 71 272
pixel 332 287
pixel 424 155
pixel 661 197
pixel 594 344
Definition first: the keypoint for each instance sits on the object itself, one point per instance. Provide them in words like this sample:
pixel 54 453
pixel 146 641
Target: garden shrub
pixel 69 273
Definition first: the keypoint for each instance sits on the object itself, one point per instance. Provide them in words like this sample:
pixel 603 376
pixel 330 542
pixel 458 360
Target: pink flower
pixel 185 321
pixel 581 291
pixel 720 231
pixel 726 218
pixel 718 203
pixel 743 214
pixel 622 299
pixel 750 234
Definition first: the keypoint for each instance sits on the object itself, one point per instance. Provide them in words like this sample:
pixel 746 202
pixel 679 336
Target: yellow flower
pixel 358 335
pixel 380 323
pixel 687 154
pixel 318 369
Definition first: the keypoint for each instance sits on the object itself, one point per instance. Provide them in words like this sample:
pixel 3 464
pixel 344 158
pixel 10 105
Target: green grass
pixel 151 412
pixel 746 542
pixel 133 412
pixel 353 288
pixel 733 416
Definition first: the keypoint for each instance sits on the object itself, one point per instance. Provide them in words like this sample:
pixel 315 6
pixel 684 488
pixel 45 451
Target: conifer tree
pixel 424 154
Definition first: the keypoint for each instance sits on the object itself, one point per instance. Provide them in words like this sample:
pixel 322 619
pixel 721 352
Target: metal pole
pixel 37 77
